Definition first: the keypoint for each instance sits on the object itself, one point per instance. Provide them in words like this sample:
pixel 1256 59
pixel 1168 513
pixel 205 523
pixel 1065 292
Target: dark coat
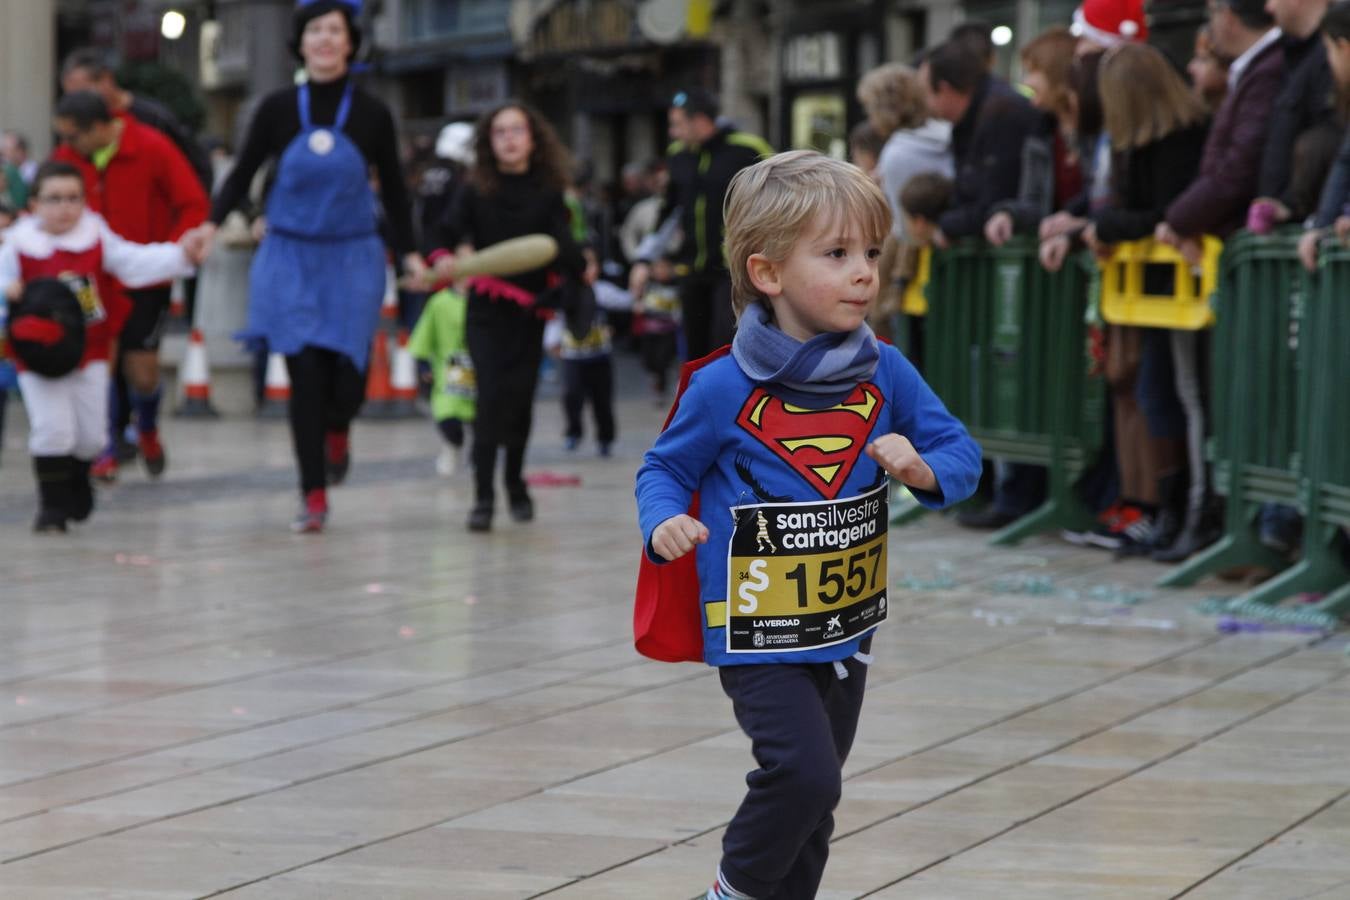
pixel 1146 180
pixel 987 145
pixel 1216 202
pixel 1307 100
pixel 699 179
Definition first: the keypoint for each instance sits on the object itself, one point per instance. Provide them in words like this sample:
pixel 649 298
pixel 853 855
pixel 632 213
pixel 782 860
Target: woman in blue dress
pixel 318 277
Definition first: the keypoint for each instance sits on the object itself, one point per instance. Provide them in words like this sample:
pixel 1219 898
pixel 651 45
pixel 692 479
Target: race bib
pixel 86 291
pixel 460 380
pixel 806 575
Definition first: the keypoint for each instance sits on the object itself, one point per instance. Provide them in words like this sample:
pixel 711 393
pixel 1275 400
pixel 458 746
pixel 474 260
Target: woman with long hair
pixel 516 188
pixel 1157 128
pixel 1052 171
pixel 318 277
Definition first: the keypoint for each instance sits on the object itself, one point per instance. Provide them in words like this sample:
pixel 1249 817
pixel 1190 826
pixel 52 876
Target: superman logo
pixel 821 445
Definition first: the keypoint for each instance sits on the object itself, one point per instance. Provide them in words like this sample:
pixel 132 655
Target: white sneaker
pixel 447 461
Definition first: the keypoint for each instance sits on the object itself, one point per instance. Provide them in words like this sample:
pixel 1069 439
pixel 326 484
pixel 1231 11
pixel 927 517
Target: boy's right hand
pixel 678 535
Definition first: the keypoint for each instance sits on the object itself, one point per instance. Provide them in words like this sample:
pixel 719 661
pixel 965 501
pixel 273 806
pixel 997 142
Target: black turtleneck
pixel 370 127
pixel 520 205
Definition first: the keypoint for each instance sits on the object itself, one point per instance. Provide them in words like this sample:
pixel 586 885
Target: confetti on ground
pixel 1212 606
pixel 940 581
pixel 1117 622
pixel 1231 624
pixel 996 618
pixel 125 559
pixel 406 632
pixel 1037 585
pixel 239 711
pixel 1117 595
pixel 552 479
pixel 21 700
pixel 471 600
pixel 375 588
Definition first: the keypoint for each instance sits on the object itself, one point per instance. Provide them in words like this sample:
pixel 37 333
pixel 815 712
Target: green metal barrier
pixel 1257 397
pixel 1005 349
pixel 1324 457
pixel 1281 369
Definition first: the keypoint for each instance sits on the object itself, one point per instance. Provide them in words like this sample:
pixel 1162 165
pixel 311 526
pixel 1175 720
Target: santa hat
pixel 1110 22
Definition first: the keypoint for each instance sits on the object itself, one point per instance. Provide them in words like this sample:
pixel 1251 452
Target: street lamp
pixel 172 25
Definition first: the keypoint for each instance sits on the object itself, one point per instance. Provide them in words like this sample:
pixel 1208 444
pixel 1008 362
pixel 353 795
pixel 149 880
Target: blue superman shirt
pixel 736 443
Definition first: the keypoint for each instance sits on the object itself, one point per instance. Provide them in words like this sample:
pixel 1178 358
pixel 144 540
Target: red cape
pixel 667 611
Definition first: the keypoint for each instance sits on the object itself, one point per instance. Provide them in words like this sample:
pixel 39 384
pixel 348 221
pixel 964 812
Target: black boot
pixel 1171 518
pixel 522 507
pixel 81 489
pixel 1203 526
pixel 53 481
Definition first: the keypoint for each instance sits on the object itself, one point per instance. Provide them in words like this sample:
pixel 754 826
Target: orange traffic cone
pixel 276 389
pixel 195 376
pixel 403 379
pixel 379 390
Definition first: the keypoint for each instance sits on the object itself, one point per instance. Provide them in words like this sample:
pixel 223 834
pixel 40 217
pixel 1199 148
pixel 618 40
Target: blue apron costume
pixel 318 278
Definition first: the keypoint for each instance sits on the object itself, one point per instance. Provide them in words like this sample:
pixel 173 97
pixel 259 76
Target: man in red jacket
pixel 146 190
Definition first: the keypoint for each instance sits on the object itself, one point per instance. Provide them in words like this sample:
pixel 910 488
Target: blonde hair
pixel 893 98
pixel 1143 97
pixel 770 204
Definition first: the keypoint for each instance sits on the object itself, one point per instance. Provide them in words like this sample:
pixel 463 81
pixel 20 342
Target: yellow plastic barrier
pixel 915 302
pixel 1149 284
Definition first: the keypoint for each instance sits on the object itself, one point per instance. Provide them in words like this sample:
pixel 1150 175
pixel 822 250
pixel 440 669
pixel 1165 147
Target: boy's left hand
pixel 894 453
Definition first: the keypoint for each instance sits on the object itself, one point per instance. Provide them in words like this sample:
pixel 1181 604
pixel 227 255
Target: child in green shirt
pixel 438 339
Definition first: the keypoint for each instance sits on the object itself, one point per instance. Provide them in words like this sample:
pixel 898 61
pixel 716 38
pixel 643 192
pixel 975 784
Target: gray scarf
pixel 816 374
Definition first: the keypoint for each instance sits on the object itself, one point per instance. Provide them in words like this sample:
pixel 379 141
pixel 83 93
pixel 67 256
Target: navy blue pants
pixel 589 380
pixel 801 720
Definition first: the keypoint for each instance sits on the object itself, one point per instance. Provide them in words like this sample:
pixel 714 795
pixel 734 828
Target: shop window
pixel 427 19
pixel 820 122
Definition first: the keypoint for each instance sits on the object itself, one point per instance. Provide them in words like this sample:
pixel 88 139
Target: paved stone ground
pixel 194 702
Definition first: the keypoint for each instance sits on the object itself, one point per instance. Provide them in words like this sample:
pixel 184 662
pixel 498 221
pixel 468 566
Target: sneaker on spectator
pixel 1280 529
pixel 989 518
pixel 1112 536
pixel 1080 537
pixel 152 452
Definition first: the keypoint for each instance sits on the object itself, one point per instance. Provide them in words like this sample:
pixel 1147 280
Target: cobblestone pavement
pixel 194 702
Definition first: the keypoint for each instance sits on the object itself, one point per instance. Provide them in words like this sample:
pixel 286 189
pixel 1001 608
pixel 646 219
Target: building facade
pixel 602 70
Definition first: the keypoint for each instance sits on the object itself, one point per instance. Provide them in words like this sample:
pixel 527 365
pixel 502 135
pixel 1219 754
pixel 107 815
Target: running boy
pixel 68 414
pixel 788 442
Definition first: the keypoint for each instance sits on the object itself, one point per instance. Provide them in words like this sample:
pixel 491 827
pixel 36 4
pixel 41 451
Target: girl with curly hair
pixel 516 188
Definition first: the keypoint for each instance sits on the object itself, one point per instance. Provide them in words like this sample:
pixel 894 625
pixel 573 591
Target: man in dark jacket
pixel 1216 202
pixel 1306 103
pixel 990 122
pixel 703 159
